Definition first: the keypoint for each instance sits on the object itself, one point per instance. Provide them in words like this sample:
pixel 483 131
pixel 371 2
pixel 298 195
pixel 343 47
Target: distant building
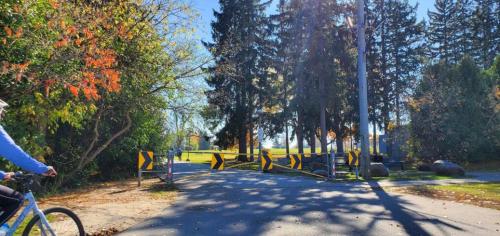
pixel 394 143
pixel 204 143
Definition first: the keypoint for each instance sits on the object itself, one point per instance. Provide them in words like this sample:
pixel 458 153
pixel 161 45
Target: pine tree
pixel 239 75
pixel 465 31
pixel 403 46
pixel 394 48
pixel 443 30
pixel 486 35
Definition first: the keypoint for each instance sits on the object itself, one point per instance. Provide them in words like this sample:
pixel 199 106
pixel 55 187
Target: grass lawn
pixel 480 194
pixel 412 175
pixel 205 156
pixel 489 191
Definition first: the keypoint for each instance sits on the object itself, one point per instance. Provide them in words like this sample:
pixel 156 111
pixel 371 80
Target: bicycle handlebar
pixel 25 180
pixel 22 175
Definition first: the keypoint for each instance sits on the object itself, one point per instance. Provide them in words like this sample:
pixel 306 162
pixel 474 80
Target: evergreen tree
pixel 403 47
pixel 443 30
pixel 394 50
pixel 465 31
pixel 451 111
pixel 239 75
pixel 486 35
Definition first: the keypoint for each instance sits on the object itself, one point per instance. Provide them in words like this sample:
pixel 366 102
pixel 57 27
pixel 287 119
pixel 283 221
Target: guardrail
pixel 149 162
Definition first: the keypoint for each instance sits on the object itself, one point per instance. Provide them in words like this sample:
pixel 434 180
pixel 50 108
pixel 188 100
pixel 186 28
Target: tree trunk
pixel 299 130
pixel 322 119
pixel 93 150
pixel 242 143
pixel 287 142
pixel 251 141
pixel 312 143
pixel 375 138
pixel 340 144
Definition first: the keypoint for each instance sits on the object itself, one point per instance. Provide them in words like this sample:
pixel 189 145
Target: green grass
pixel 488 191
pixel 20 229
pixel 251 166
pixel 205 156
pixel 412 175
pixel 480 194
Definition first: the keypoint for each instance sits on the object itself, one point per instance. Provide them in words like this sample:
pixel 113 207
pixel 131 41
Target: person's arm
pixel 2 175
pixel 13 153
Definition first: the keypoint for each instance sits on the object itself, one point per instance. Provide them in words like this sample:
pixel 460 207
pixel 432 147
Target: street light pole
pixel 260 134
pixel 189 146
pixel 363 91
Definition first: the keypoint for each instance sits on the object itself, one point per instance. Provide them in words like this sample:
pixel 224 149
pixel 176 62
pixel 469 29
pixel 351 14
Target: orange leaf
pixel 61 43
pixel 5 67
pixel 94 95
pixel 87 92
pixel 23 67
pixel 54 3
pixel 78 42
pixel 19 76
pixel 71 30
pixel 47 90
pixel 16 8
pixel 88 34
pixel 19 32
pixel 74 90
pixel 8 30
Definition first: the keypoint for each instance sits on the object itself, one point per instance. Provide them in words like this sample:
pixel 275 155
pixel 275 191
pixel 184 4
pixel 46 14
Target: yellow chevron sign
pixel 296 161
pixel 354 158
pixel 217 161
pixel 145 161
pixel 266 161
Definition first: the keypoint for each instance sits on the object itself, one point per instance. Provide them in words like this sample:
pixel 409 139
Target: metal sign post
pixel 170 167
pixel 332 163
pixel 148 162
pixel 260 134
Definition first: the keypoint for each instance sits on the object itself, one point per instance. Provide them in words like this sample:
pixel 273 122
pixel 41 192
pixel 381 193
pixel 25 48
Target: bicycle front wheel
pixel 62 221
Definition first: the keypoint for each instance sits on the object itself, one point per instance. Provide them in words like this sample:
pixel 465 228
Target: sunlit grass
pixel 412 175
pixel 487 191
pixel 480 194
pixel 24 223
pixel 205 156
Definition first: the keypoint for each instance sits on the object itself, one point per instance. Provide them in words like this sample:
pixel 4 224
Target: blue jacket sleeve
pixel 2 175
pixel 13 153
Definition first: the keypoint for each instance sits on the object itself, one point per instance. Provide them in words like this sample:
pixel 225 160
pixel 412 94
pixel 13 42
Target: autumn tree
pixel 96 82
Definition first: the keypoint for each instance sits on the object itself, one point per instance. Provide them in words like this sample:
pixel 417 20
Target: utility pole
pixel 260 134
pixel 363 100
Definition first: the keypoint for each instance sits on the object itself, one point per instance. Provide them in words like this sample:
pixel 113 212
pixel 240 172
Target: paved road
pixel 241 202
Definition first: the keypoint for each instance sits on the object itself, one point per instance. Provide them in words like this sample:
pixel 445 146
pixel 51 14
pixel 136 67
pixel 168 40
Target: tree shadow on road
pixel 410 220
pixel 229 203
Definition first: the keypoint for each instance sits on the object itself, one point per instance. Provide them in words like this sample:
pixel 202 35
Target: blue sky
pixel 205 8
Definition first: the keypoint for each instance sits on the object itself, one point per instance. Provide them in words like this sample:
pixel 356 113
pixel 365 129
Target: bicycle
pixel 55 221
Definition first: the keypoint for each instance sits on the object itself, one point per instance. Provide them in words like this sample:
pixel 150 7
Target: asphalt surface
pixel 237 202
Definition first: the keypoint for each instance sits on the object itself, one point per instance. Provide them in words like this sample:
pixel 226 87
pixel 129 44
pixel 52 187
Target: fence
pixel 163 164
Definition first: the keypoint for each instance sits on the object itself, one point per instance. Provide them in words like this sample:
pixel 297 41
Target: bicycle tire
pixel 49 211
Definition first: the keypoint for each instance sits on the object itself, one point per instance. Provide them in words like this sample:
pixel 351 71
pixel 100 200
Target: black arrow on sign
pixel 354 158
pixel 297 161
pixel 267 160
pixel 219 160
pixel 147 160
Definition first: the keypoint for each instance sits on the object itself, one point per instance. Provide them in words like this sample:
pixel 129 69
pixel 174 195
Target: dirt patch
pixel 467 198
pixel 108 208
